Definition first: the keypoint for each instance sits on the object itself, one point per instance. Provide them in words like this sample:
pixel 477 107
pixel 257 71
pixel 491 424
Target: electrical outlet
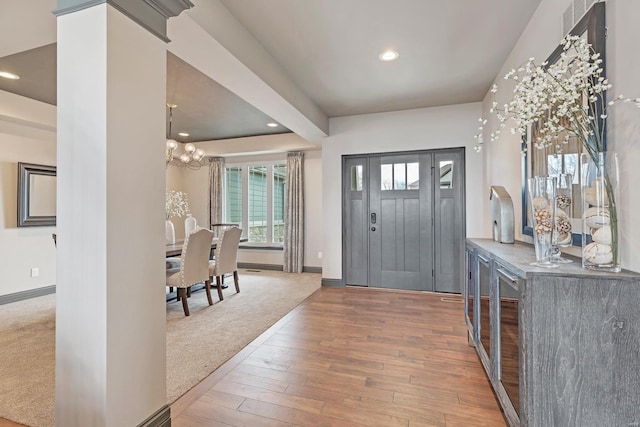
pixel 319 255
pixel 35 272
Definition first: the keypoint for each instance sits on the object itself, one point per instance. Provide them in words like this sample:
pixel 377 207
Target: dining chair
pixel 174 261
pixel 194 266
pixel 218 229
pixel 226 258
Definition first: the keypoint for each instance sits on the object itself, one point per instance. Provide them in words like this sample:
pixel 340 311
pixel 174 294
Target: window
pixel 279 189
pixel 400 176
pixel 254 198
pixel 356 178
pixel 233 195
pixel 446 174
pixel 258 204
pixel 564 163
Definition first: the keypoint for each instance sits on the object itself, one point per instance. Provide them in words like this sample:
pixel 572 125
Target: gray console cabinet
pixel 564 343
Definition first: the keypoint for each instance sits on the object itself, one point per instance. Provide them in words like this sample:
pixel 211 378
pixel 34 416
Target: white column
pixel 110 304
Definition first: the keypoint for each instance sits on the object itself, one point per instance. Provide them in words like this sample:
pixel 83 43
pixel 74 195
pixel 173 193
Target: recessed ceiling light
pixel 388 55
pixel 272 125
pixel 183 134
pixel 8 75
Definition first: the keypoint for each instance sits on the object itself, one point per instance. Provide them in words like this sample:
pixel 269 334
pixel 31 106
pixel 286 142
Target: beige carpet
pixel 196 345
pixel 27 364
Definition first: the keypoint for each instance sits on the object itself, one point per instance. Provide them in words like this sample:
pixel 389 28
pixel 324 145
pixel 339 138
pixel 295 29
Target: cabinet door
pixel 484 318
pixel 470 293
pixel 508 338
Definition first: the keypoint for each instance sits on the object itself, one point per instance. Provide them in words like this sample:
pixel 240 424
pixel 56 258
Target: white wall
pixel 196 184
pixel 27 134
pixel 110 298
pixel 313 219
pixel 623 63
pixel 419 129
pixel 538 40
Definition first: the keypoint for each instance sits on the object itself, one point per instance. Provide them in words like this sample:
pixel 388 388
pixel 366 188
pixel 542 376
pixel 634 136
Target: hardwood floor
pixel 351 357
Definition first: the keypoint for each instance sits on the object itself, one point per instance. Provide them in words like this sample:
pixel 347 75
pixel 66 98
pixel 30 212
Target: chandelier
pixel 191 158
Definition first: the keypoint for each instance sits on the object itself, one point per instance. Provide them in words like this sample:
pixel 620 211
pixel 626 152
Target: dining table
pixel 175 249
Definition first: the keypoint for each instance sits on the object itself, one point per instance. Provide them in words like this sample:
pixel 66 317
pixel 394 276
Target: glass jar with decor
pixel 601 198
pixel 542 193
pixel 564 202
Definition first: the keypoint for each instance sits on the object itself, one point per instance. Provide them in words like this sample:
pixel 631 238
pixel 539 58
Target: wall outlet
pixel 320 255
pixel 35 272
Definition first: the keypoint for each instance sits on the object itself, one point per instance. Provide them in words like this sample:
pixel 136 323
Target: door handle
pixel 373 219
pixel 373 229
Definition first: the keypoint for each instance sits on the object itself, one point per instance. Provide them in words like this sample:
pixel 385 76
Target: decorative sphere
pixel 189 148
pixel 597 253
pixel 596 217
pixel 540 202
pixel 602 235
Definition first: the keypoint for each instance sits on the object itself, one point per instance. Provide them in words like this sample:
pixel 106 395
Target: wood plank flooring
pixel 7 423
pixel 352 357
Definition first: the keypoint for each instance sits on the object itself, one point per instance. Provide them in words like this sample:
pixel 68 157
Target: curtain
pixel 216 171
pixel 294 215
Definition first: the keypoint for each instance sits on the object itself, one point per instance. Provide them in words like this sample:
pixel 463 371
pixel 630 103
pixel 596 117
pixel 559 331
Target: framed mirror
pixel 36 195
pixel 548 162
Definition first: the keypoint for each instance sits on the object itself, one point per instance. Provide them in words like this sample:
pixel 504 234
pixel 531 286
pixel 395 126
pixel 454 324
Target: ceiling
pixel 450 52
pixel 205 109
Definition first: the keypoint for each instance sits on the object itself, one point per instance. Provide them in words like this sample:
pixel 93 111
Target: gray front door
pixel 400 219
pixel 403 220
pixel 355 226
pixel 449 234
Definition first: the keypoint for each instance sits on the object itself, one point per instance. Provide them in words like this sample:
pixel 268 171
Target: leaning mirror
pixel 548 161
pixel 36 195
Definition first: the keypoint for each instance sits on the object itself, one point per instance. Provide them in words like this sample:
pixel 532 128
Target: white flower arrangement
pixel 177 204
pixel 564 99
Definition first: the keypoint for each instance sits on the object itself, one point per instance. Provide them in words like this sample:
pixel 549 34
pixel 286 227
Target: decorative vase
pixel 564 204
pixel 170 232
pixel 190 224
pixel 600 198
pixel 542 196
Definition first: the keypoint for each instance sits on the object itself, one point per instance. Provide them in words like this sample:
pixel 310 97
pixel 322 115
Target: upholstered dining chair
pixel 226 258
pixel 218 229
pixel 194 266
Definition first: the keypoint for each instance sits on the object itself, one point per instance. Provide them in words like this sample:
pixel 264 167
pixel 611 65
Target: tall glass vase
pixel 600 197
pixel 564 204
pixel 542 196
